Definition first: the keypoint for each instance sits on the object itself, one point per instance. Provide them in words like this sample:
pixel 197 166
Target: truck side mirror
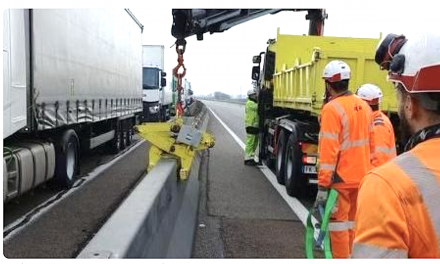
pixel 163 82
pixel 256 59
pixel 163 74
pixel 255 73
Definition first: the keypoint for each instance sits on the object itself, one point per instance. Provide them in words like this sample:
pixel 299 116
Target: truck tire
pixel 67 152
pixel 130 132
pixel 294 180
pixel 116 142
pixel 281 153
pixel 167 113
pixel 162 114
pixel 124 133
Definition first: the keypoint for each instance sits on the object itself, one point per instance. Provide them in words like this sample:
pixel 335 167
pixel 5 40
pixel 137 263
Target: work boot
pixel 250 162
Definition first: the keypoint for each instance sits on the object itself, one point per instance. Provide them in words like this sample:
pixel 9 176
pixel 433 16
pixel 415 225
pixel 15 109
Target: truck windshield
pixel 150 78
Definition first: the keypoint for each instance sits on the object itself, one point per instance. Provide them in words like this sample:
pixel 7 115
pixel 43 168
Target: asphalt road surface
pixel 24 204
pixel 243 212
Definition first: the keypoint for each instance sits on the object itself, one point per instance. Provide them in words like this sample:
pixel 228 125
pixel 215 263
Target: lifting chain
pixel 180 49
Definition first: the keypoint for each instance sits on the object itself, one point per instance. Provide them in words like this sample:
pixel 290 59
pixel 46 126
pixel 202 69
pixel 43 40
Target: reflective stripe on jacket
pixel 251 115
pixel 346 142
pixel 385 144
pixel 398 213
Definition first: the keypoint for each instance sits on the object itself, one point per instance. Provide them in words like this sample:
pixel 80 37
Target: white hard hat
pixel 370 93
pixel 413 62
pixel 251 91
pixel 336 71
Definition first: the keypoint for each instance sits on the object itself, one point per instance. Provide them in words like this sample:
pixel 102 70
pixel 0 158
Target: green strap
pixel 310 230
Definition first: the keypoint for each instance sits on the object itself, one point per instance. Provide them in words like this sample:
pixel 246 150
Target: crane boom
pixel 188 22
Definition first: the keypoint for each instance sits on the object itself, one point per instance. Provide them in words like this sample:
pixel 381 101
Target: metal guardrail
pixel 157 220
pixel 240 102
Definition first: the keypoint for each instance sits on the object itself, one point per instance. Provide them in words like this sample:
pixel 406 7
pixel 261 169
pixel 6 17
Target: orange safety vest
pixel 398 213
pixel 346 142
pixel 385 144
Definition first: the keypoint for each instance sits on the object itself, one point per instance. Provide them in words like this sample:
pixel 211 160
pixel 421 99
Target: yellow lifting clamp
pixel 175 140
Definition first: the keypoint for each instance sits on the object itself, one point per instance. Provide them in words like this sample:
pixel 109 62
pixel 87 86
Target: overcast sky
pixel 223 61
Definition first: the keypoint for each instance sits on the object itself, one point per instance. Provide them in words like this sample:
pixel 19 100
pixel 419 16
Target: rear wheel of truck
pixel 294 180
pixel 67 159
pixel 116 142
pixel 129 130
pixel 280 160
pixel 124 134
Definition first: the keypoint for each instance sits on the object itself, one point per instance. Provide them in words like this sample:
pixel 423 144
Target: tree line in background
pixel 220 96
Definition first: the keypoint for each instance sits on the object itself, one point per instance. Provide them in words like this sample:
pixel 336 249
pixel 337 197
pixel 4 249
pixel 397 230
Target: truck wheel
pixel 162 114
pixel 67 159
pixel 279 166
pixel 294 181
pixel 124 134
pixel 167 114
pixel 116 142
pixel 129 130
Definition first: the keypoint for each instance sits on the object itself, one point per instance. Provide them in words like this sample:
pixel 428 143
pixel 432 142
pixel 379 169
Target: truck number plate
pixel 309 169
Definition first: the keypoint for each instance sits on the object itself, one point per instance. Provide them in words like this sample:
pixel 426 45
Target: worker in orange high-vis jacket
pixel 399 202
pixel 385 144
pixel 346 145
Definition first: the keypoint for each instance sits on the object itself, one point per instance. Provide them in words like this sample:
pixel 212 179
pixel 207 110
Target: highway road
pixel 243 211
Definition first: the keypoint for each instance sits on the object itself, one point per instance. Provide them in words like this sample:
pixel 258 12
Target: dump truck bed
pixel 300 60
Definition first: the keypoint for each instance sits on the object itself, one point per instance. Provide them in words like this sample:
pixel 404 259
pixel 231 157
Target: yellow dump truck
pixel 291 95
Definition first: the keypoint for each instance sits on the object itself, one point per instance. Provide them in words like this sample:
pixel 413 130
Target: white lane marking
pixel 51 202
pixel 236 138
pixel 293 203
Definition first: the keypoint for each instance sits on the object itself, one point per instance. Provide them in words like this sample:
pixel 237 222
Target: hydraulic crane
pixel 188 22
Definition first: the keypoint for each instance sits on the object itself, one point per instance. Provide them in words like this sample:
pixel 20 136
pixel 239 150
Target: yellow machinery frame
pixel 162 136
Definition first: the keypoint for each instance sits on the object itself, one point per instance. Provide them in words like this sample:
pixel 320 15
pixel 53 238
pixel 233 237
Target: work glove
pixel 321 197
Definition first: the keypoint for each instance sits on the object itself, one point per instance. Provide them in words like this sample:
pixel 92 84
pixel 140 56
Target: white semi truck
pixel 157 97
pixel 188 93
pixel 72 80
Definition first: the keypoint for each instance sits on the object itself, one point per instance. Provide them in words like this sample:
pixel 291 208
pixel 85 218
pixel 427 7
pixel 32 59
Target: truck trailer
pixel 291 95
pixel 72 81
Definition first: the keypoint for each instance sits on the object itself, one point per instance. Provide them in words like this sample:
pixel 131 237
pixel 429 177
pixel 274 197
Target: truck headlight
pixel 153 109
